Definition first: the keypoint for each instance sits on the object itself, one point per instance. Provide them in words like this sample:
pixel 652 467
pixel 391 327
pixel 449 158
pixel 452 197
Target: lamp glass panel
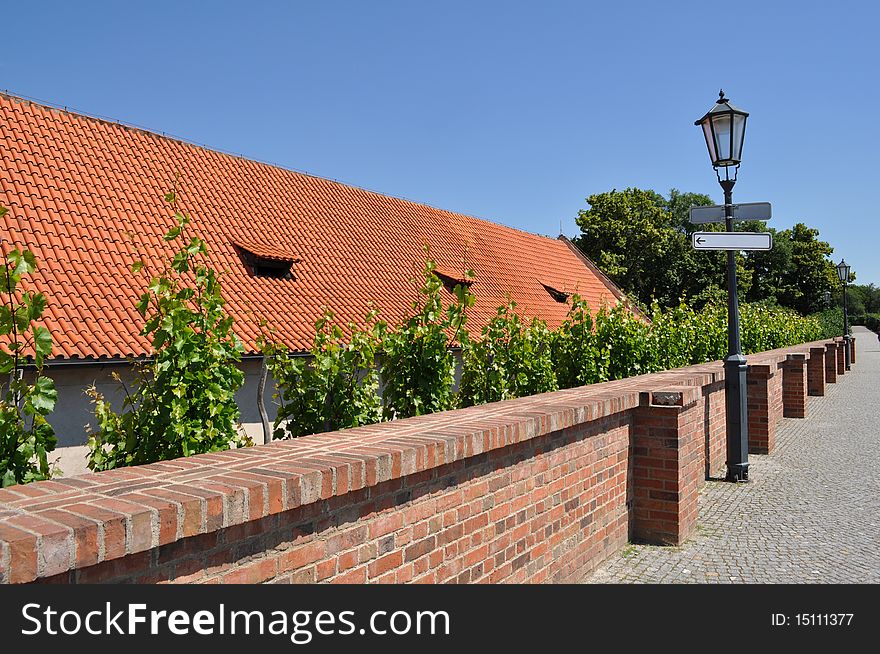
pixel 739 128
pixel 721 123
pixel 710 143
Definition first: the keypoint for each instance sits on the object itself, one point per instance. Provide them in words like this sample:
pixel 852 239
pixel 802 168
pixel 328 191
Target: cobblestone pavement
pixel 811 512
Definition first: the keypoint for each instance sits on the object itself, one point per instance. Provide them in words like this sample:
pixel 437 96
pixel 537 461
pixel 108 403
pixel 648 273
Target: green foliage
pixel 634 240
pixel 764 327
pixel 417 365
pixel 684 336
pixel 872 322
pixel 26 437
pixel 830 322
pixel 861 299
pixel 641 240
pixel 577 355
pixel 614 344
pixel 797 272
pixel 511 359
pixel 184 402
pixel 337 387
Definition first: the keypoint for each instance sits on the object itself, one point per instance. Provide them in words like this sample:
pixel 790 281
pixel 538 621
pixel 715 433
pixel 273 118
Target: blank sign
pixel 744 211
pixel 732 240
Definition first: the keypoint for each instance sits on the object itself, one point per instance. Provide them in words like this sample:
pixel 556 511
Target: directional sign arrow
pixel 744 211
pixel 732 240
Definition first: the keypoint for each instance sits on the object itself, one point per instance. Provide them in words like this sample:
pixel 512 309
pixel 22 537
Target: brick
pixel 356 576
pixel 85 533
pixel 325 569
pixel 300 556
pixel 385 563
pixel 252 573
pixel 166 516
pixel 112 524
pixel 56 543
pixel 22 553
pixel 420 548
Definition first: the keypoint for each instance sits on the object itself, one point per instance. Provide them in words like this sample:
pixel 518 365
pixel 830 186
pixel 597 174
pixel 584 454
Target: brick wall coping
pixel 50 527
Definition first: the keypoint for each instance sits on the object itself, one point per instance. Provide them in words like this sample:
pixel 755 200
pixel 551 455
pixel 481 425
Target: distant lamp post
pixel 843 274
pixel 724 127
pixel 827 299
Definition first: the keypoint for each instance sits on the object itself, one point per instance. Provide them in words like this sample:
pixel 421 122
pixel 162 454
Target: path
pixel 811 512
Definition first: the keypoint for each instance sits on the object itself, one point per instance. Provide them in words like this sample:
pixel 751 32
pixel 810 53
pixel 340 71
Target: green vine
pixel 417 365
pixel 184 401
pixel 26 438
pixel 511 359
pixel 336 387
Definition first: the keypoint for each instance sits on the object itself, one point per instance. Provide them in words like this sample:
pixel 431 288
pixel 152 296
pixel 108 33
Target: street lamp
pixel 724 127
pixel 843 275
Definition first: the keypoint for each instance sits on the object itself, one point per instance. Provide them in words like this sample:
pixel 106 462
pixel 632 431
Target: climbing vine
pixel 26 437
pixel 417 365
pixel 512 358
pixel 335 387
pixel 183 401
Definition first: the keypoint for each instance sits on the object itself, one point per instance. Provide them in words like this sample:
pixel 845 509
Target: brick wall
pixel 538 489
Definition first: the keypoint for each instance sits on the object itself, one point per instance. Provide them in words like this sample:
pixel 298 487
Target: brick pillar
pixel 668 465
pixel 816 372
pixel 852 349
pixel 794 386
pixel 841 358
pixel 831 363
pixel 762 426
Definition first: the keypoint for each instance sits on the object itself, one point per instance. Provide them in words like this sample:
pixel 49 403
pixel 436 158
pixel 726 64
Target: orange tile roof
pixel 86 195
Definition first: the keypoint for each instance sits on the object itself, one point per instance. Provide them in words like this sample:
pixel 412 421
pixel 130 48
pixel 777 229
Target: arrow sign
pixel 744 211
pixel 732 240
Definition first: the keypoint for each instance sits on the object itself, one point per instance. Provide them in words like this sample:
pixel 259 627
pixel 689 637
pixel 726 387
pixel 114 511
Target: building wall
pixel 73 417
pixel 74 414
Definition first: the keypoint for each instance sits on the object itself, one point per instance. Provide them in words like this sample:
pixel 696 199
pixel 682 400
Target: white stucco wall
pixel 73 413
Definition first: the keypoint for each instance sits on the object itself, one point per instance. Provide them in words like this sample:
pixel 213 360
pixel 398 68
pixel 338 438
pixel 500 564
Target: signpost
pixel 717 214
pixel 732 240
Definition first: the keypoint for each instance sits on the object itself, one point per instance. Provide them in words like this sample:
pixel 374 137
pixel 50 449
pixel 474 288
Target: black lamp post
pixel 843 274
pixel 724 127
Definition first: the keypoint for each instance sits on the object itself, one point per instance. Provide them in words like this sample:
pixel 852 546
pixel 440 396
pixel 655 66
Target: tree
pixel 641 240
pixel 634 240
pixel 809 273
pixel 862 300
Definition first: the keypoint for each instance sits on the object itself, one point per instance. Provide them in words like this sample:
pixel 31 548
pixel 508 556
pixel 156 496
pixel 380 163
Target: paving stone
pixel 811 512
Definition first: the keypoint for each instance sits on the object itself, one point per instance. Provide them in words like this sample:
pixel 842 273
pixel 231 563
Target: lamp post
pixel 724 127
pixel 843 274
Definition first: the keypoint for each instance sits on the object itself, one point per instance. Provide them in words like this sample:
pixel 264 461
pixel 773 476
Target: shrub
pixel 26 437
pixel 336 387
pixel 184 402
pixel 511 359
pixel 872 322
pixel 577 355
pixel 830 322
pixel 417 366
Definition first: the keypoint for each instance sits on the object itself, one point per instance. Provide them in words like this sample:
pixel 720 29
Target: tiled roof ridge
pixel 77 113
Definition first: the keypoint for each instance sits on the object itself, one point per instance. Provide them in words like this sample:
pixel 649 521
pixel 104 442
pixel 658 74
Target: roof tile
pixel 87 197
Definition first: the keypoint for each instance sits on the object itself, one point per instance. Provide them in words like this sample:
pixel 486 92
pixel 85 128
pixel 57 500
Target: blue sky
pixel 513 112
